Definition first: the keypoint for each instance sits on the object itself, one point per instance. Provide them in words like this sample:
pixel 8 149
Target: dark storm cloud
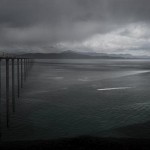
pixel 44 23
pixel 29 12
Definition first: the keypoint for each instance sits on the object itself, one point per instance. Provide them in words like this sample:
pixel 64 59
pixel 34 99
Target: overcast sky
pixel 109 26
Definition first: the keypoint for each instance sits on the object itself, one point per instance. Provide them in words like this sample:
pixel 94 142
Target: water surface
pixel 67 98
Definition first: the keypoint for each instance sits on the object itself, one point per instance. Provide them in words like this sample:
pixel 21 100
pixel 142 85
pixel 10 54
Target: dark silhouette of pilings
pixel 21 73
pixel 24 69
pixel 7 91
pixel 0 100
pixel 13 85
pixel 16 76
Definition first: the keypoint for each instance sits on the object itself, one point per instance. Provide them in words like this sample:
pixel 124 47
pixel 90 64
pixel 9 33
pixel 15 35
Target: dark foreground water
pixel 68 98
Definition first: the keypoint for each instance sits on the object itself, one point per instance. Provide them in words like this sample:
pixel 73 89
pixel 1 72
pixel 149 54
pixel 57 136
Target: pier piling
pixel 19 71
pixel 13 86
pixel 24 69
pixel 7 92
pixel 18 77
pixel 0 101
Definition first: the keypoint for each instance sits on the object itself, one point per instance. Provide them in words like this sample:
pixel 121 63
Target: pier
pixel 16 71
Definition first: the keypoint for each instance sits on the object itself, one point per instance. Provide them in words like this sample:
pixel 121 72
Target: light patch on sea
pixel 84 79
pixel 112 75
pixel 116 88
pixel 55 78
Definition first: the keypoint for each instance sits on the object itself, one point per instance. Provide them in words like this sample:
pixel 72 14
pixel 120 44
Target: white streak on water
pixel 117 88
pixel 56 78
pixel 139 72
pixel 84 79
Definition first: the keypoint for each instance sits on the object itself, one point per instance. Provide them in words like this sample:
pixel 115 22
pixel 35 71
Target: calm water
pixel 67 98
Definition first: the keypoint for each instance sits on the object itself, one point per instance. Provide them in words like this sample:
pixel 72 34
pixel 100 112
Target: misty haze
pixel 74 74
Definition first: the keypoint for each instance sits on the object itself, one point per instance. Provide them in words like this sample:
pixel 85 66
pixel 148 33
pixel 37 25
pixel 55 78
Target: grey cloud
pixel 29 12
pixel 38 23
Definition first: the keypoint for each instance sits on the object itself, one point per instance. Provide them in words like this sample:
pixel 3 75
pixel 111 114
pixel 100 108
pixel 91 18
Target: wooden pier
pixel 16 71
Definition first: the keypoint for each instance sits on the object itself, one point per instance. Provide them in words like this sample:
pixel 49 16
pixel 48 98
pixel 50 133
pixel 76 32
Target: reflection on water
pixel 66 98
pixel 117 88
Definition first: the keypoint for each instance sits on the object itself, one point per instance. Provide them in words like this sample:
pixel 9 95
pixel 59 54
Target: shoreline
pixel 82 142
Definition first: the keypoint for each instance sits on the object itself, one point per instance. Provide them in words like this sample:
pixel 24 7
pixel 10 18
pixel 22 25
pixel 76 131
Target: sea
pixel 81 97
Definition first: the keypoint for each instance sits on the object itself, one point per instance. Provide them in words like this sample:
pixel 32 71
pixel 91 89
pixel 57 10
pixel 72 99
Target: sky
pixel 102 26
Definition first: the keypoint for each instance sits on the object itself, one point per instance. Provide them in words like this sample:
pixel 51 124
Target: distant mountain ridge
pixel 69 54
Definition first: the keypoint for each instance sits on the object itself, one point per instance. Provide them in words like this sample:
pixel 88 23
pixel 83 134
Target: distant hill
pixel 69 54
